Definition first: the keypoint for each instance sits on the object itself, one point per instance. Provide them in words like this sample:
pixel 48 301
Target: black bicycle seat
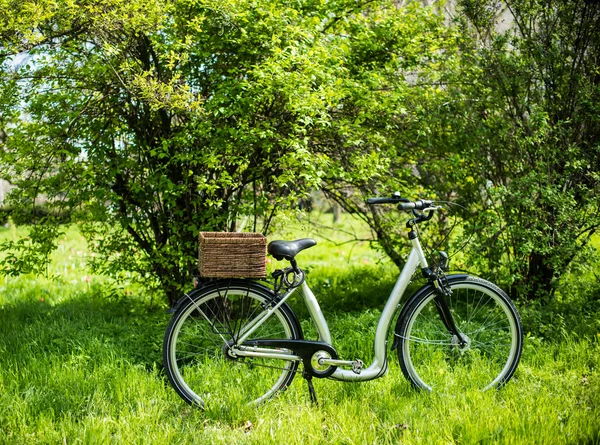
pixel 289 249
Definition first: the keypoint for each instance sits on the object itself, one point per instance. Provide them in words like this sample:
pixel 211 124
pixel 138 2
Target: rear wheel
pixel 197 341
pixel 432 358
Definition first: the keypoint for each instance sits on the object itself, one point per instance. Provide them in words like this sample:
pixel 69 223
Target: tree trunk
pixel 540 279
pixel 337 212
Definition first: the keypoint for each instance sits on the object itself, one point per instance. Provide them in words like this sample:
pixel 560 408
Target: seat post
pixel 294 265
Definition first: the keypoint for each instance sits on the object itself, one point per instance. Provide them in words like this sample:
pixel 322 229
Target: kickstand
pixel 311 388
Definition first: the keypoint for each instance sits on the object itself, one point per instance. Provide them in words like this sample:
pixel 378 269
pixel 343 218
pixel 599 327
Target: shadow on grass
pixel 70 356
pixel 41 324
pixel 66 323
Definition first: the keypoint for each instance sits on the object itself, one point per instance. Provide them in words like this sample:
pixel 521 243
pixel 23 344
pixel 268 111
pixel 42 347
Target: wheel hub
pixel 464 345
pixel 228 352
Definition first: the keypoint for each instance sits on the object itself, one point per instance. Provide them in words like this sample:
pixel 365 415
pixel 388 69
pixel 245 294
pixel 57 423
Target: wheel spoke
pixel 197 359
pixel 414 339
pixel 485 356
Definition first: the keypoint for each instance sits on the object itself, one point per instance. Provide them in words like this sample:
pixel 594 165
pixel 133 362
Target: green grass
pixel 81 365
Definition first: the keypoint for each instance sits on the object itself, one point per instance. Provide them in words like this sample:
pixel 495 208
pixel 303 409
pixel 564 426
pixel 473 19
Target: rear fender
pixel 224 284
pixel 219 284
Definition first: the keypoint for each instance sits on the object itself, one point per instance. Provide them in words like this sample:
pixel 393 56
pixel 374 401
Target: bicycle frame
pixel 378 367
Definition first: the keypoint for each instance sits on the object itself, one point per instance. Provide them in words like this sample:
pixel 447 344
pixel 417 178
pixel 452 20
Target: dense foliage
pixel 147 122
pixel 513 135
pixel 525 122
pixel 151 117
pixel 166 118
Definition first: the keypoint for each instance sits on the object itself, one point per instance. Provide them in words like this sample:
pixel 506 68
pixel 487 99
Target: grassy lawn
pixel 80 364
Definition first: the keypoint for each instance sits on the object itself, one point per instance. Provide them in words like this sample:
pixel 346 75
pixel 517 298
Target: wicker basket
pixel 232 255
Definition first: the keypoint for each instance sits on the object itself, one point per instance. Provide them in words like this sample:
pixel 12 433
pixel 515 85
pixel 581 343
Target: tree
pixel 516 140
pixel 144 122
pixel 534 128
pixel 509 130
pixel 147 122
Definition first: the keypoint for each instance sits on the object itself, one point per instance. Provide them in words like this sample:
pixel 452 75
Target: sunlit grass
pixel 77 366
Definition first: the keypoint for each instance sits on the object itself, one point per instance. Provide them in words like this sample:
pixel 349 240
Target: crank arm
pixel 357 365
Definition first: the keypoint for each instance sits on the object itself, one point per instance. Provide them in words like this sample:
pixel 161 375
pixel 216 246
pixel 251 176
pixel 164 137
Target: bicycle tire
pixel 205 324
pixel 431 358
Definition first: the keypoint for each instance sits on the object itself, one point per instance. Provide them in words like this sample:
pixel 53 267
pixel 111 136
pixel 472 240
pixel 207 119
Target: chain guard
pixel 306 349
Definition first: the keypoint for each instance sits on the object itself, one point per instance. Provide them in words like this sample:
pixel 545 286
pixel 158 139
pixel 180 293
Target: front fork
pixel 436 278
pixel 443 292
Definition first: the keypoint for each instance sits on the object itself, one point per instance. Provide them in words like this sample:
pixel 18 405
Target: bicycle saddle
pixel 289 249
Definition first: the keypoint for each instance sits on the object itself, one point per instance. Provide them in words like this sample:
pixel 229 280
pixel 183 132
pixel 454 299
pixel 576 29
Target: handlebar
pixel 403 203
pixel 392 200
pixel 421 204
pixel 422 209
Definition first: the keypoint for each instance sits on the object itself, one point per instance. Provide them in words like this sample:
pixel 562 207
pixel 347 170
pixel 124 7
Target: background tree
pixel 139 119
pixel 503 120
pixel 514 138
pixel 149 121
pixel 525 119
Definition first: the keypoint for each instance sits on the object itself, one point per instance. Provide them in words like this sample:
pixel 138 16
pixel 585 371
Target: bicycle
pixel 238 341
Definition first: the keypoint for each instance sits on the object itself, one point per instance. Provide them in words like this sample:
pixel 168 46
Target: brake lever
pixel 421 214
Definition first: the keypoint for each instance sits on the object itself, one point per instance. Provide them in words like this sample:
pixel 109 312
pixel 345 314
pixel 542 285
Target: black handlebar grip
pixel 403 203
pixel 406 206
pixel 381 200
pixel 417 205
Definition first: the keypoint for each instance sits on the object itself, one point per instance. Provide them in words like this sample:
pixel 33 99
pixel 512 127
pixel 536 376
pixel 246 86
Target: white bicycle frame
pixel 378 367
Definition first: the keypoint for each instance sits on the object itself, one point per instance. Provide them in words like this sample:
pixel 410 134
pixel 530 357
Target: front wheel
pixel 196 350
pixel 488 352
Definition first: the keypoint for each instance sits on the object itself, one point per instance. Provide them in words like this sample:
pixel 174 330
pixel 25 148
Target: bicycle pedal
pixel 357 366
